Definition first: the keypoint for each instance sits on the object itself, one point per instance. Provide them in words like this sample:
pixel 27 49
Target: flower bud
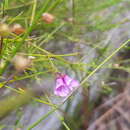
pixel 65 85
pixel 116 65
pixel 4 29
pixel 70 20
pixel 48 18
pixel 17 29
pixel 21 63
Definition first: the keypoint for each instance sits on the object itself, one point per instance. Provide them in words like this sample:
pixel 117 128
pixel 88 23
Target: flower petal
pixel 62 91
pixel 67 79
pixel 73 84
pixel 59 82
pixel 64 85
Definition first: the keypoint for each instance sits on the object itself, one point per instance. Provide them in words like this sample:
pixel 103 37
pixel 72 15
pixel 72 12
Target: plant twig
pixel 82 82
pixel 1 39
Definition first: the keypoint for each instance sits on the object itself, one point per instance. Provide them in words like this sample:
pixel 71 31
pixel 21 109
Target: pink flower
pixel 64 85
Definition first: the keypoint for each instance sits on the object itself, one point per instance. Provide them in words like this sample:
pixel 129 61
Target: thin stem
pixel 1 40
pixel 73 9
pixel 42 118
pixel 33 11
pixel 85 79
pixel 18 46
pixel 108 58
pixel 1 45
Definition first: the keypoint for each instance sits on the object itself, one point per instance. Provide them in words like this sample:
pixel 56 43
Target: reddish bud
pixel 70 20
pixel 48 18
pixel 17 29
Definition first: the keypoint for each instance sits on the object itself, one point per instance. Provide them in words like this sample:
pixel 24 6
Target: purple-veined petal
pixel 64 85
pixel 62 91
pixel 59 82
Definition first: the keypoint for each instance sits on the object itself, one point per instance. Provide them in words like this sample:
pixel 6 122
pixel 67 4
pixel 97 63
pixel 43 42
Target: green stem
pixel 85 79
pixel 108 58
pixel 42 118
pixel 18 46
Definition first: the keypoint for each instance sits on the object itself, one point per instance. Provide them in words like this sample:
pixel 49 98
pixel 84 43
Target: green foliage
pixel 88 16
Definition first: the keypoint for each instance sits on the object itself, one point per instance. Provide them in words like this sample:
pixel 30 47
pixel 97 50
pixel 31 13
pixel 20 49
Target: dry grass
pixel 116 113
